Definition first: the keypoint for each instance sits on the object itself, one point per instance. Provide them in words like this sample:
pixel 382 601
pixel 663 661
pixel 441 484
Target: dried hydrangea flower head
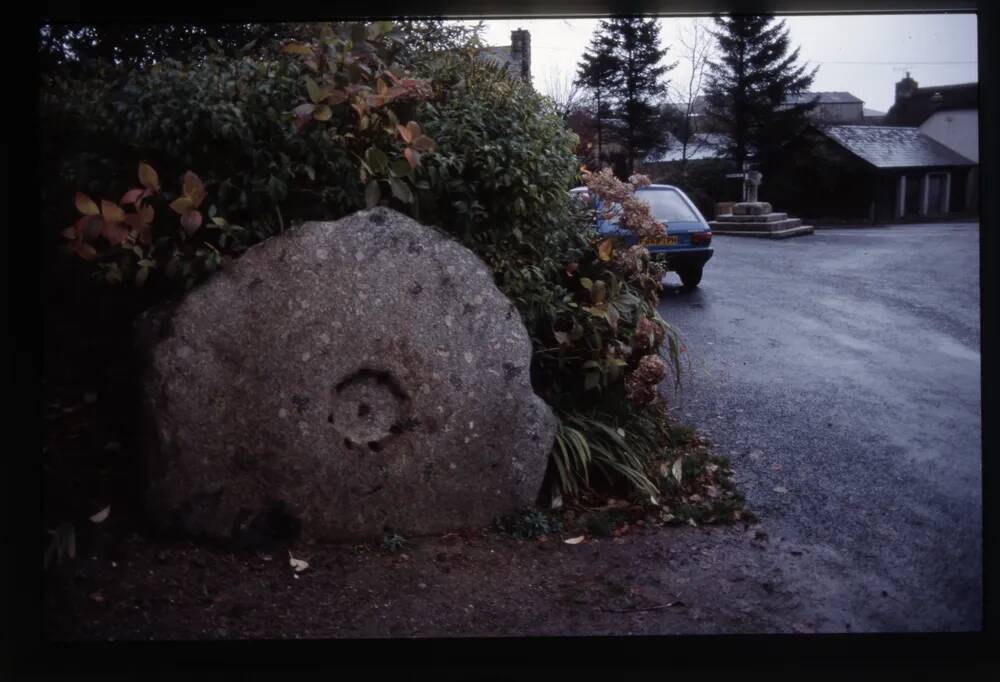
pixel 641 384
pixel 636 215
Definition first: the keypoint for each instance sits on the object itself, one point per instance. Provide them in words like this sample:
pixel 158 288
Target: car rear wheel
pixel 690 277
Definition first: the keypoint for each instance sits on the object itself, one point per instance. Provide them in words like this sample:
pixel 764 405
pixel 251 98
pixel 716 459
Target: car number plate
pixel 670 240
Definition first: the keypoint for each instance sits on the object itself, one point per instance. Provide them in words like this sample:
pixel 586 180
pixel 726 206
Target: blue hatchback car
pixel 686 247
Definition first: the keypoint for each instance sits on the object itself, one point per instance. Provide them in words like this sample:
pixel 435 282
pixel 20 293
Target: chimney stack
pixel 520 51
pixel 905 87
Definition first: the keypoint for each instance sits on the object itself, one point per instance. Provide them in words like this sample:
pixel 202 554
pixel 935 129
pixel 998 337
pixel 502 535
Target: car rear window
pixel 668 205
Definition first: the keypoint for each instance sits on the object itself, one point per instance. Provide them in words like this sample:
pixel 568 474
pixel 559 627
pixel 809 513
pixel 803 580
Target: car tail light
pixel 701 238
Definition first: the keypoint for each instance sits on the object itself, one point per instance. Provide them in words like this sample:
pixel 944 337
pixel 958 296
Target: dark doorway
pixel 959 185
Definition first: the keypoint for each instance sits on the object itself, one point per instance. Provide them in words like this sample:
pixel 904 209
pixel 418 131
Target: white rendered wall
pixel 958 129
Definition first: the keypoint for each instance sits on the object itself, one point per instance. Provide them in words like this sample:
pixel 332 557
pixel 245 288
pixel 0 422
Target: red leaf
pixel 191 221
pixel 90 227
pixel 337 97
pixel 412 155
pixel 146 214
pixel 112 211
pixel 405 133
pixel 114 232
pixel 194 189
pixel 133 195
pixel 423 143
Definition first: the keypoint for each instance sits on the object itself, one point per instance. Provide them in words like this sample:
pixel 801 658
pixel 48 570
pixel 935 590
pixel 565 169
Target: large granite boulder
pixel 348 377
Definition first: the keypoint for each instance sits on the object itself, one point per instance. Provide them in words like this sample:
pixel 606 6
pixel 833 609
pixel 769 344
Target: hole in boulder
pixel 363 410
pixel 381 377
pixel 348 444
pixel 375 446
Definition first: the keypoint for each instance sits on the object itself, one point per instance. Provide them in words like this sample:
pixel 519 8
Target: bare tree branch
pixel 564 91
pixel 698 49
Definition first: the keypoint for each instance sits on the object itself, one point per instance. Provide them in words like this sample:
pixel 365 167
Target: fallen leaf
pixel 574 541
pixel 298 564
pixel 780 489
pixel 97 597
pixel 102 515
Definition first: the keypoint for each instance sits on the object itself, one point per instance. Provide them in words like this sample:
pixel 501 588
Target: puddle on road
pixel 855 343
pixel 954 349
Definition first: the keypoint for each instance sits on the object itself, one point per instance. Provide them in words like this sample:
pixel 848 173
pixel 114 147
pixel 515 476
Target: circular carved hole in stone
pixel 367 404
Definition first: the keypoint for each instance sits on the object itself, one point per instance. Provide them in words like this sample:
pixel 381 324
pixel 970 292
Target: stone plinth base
pixel 757 219
pixel 769 234
pixel 751 208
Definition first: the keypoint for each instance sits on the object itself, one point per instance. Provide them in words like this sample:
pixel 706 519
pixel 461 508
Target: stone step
pixel 751 208
pixel 770 234
pixel 763 218
pixel 760 226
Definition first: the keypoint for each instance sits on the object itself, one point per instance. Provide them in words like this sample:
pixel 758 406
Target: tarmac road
pixel 841 373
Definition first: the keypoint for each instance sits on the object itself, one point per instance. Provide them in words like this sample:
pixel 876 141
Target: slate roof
pixel 872 112
pixel 499 53
pixel 700 105
pixel 824 98
pixel 894 147
pixel 701 146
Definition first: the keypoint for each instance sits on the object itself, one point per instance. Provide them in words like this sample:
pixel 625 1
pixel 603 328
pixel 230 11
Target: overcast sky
pixel 861 54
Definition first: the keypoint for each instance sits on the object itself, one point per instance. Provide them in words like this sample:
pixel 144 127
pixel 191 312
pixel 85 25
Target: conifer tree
pixel 625 60
pixel 595 73
pixel 751 86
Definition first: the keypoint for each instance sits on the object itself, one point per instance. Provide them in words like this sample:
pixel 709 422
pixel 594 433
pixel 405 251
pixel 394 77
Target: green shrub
pixel 328 125
pixel 309 132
